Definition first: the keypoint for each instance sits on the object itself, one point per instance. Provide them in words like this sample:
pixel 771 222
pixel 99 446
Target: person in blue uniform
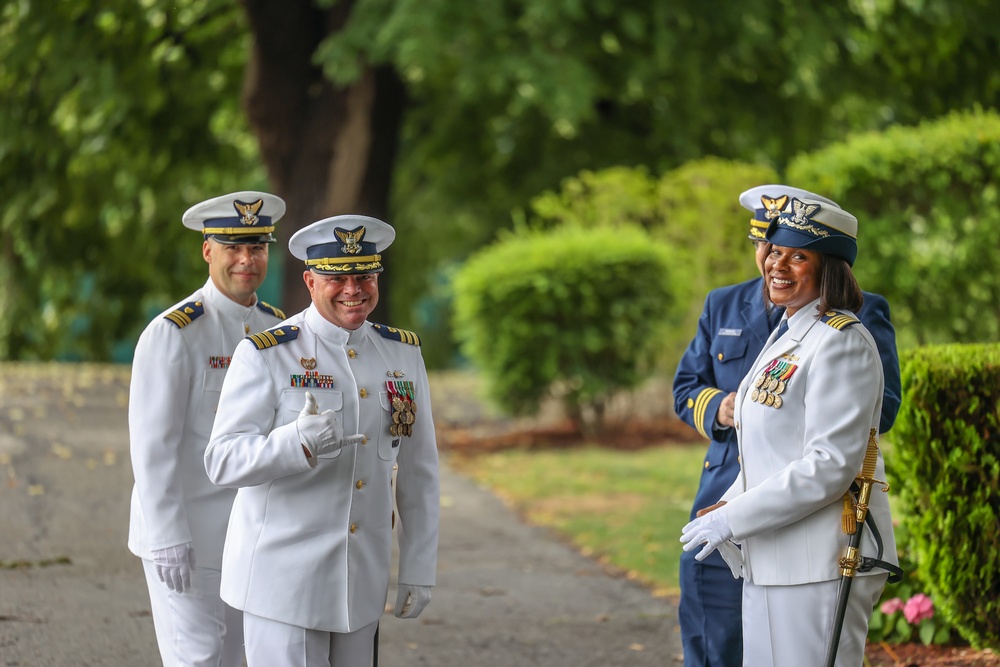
pixel 178 517
pixel 732 329
pixel 309 545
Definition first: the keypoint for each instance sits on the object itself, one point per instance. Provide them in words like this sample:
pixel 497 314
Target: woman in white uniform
pixel 805 415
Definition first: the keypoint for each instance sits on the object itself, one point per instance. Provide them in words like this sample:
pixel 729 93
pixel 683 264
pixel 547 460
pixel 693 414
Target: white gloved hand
pixel 174 566
pixel 712 529
pixel 319 432
pixel 411 600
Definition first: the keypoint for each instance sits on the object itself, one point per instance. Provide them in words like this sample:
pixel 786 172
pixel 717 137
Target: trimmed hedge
pixel 695 209
pixel 945 464
pixel 928 203
pixel 572 312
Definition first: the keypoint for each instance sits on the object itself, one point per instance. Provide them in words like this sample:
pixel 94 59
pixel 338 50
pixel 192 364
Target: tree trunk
pixel 328 150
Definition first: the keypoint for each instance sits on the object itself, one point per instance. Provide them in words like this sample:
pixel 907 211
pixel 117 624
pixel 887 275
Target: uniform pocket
pixel 388 444
pixel 726 349
pixel 211 390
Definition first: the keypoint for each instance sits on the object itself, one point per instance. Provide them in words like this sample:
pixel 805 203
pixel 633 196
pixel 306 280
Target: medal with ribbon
pixel 404 407
pixel 772 383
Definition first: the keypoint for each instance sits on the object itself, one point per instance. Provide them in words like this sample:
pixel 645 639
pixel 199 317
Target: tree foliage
pixel 117 117
pixel 114 119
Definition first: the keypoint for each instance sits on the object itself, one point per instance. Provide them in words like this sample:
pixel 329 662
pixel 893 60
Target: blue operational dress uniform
pixel 732 330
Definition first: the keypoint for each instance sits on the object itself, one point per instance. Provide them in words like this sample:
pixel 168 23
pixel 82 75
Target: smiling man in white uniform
pixel 309 544
pixel 177 372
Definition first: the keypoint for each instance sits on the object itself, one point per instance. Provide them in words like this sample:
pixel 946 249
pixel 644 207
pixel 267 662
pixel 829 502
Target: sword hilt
pixel 866 480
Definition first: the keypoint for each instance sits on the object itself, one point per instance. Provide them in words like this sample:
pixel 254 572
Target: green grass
pixel 625 508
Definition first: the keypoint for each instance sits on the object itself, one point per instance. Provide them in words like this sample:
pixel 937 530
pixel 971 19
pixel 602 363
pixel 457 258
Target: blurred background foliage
pixel 116 117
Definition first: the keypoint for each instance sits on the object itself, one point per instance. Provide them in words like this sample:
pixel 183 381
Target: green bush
pixel 571 312
pixel 946 466
pixel 694 209
pixel 926 198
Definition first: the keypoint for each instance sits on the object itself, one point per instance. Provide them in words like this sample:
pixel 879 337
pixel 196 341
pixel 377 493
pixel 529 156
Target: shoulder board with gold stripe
pixel 186 314
pixel 268 308
pixel 838 321
pixel 401 335
pixel 272 337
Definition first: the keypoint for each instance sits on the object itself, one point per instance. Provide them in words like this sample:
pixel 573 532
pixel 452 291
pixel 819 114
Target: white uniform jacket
pixel 307 546
pixel 177 372
pixel 798 460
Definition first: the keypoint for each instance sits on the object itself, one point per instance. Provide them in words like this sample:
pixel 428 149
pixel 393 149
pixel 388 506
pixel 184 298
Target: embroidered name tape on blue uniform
pixel 268 308
pixel 838 321
pixel 730 332
pixel 273 337
pixel 186 314
pixel 401 335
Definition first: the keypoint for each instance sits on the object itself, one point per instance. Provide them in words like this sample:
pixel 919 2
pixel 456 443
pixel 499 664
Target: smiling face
pixel 792 276
pixel 343 300
pixel 236 270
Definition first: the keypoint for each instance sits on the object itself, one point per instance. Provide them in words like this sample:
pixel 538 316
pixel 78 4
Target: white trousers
pixel 791 626
pixel 195 628
pixel 275 644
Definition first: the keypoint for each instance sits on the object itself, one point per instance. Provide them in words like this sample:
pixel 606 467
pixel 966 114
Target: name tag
pixel 730 332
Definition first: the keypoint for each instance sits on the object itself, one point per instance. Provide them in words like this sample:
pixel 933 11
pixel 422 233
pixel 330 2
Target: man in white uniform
pixel 309 545
pixel 177 372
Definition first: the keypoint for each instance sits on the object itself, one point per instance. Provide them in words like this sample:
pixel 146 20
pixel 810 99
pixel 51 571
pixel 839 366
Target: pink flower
pixel 891 606
pixel 918 608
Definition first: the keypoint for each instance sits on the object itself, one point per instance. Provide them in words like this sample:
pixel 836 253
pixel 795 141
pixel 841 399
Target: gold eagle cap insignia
pixel 773 207
pixel 350 240
pixel 803 211
pixel 248 212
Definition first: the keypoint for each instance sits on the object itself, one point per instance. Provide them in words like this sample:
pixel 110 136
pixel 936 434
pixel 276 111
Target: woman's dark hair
pixel 838 288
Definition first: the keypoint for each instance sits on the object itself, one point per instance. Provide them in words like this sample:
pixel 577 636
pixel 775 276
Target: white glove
pixel 174 565
pixel 321 432
pixel 712 529
pixel 411 600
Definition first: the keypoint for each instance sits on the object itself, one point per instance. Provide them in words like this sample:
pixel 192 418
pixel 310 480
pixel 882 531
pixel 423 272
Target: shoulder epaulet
pixel 838 321
pixel 272 337
pixel 186 314
pixel 268 308
pixel 400 335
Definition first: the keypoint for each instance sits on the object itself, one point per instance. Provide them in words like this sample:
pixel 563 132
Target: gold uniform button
pixel 354 528
pixel 690 403
pixel 706 465
pixel 720 356
pixel 351 353
pixel 364 393
pixel 359 484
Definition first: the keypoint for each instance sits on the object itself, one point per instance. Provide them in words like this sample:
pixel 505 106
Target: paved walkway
pixel 508 594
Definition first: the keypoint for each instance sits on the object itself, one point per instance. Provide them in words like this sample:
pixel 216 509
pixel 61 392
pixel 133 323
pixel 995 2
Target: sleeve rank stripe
pixel 700 405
